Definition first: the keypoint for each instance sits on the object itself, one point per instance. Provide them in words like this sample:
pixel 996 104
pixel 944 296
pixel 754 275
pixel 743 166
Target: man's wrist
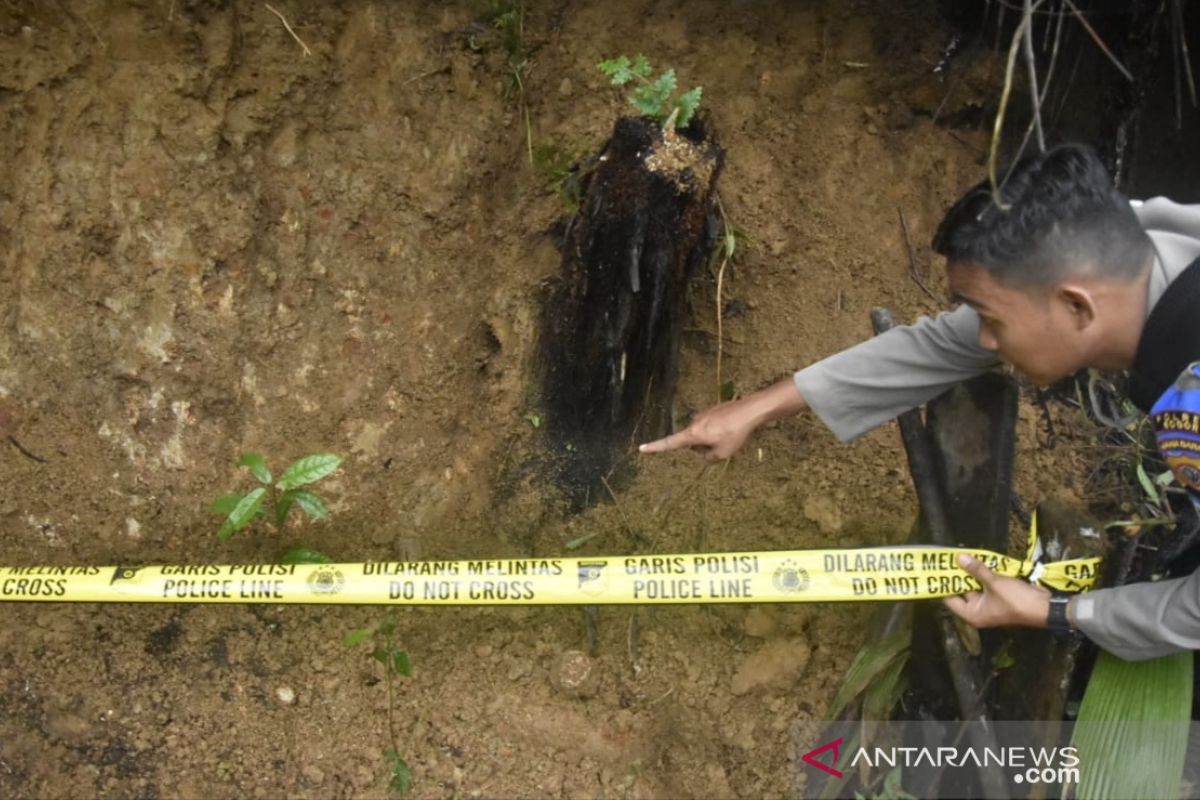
pixel 777 401
pixel 1058 607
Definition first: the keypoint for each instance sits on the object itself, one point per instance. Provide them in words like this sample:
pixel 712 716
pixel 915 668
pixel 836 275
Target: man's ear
pixel 1079 303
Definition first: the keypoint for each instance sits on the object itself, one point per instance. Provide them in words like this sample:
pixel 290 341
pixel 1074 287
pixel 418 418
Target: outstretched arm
pixel 852 391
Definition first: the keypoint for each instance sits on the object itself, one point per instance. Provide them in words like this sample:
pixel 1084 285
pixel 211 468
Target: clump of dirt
pixel 215 242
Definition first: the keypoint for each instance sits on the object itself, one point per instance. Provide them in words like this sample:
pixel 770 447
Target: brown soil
pixel 213 243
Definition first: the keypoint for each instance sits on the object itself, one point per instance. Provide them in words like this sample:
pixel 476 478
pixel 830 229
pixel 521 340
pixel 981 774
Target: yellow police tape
pixel 790 576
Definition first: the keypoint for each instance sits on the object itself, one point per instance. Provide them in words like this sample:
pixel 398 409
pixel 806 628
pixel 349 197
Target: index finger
pixel 672 442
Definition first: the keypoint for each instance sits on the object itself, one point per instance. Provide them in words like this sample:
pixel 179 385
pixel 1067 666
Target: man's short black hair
pixel 1063 217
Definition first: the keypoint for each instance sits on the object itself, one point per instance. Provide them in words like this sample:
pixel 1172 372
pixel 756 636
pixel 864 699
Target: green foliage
pixel 1134 714
pixel 275 499
pixel 892 789
pixel 395 661
pixel 652 97
pixel 399 775
pixel 556 165
pixel 879 665
pixel 507 31
pixel 305 555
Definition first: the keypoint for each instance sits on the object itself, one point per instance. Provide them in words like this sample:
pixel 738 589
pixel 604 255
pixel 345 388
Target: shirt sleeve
pixel 881 378
pixel 1143 620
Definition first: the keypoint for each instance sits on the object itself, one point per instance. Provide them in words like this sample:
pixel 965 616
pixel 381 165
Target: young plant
pixel 395 662
pixel 274 499
pixel 557 166
pixel 507 18
pixel 653 98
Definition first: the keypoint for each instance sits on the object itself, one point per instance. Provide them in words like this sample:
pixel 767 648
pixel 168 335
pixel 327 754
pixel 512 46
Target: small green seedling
pixel 653 97
pixel 395 662
pixel 275 498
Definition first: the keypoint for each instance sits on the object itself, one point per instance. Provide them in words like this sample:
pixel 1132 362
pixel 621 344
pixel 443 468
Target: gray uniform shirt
pixel 881 378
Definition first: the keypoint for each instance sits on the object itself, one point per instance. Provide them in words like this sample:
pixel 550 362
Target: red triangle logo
pixel 810 758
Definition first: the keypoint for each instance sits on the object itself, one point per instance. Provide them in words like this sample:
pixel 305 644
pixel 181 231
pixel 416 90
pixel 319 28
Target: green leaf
pixel 687 104
pixel 225 504
pixel 872 663
pixel 617 69
pixel 242 513
pixel 257 466
pixel 647 101
pixel 665 84
pixel 1147 485
pixel 308 470
pixel 305 555
pixel 728 391
pixel 1132 729
pixel 309 503
pixel 1004 657
pixel 282 506
pixel 401 664
pixel 641 66
pixel 882 694
pixel 534 420
pixel 356 636
pixel 400 777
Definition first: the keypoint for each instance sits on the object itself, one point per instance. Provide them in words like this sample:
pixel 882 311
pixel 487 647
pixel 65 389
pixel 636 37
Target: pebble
pixel 286 695
pixel 573 674
pixel 776 665
pixel 760 623
pixel 313 774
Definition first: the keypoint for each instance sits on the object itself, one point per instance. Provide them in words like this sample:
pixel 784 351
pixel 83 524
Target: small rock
pixel 517 670
pixel 776 665
pixel 574 674
pixel 69 727
pixel 483 650
pixel 822 510
pixel 760 623
pixel 566 88
pixel 286 695
pixel 313 774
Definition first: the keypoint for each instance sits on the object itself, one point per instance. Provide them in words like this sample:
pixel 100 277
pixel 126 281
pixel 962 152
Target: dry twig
pixel 288 25
pixel 913 271
pixel 1033 81
pixel 1099 42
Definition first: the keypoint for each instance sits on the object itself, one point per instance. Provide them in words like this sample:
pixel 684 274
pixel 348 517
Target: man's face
pixel 1035 330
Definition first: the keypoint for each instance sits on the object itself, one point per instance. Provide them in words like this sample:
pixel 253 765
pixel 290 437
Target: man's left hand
pixel 1003 601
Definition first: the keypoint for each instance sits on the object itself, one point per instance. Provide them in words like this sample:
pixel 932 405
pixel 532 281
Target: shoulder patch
pixel 1176 416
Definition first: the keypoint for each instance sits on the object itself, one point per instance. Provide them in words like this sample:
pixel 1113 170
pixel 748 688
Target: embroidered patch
pixel 1176 417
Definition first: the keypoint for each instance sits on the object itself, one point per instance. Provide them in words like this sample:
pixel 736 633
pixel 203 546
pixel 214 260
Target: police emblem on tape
pixel 124 574
pixel 790 577
pixel 326 580
pixel 592 578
